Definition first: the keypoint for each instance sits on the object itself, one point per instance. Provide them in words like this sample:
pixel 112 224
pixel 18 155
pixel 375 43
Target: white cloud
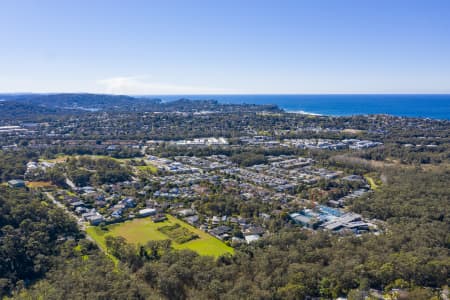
pixel 139 85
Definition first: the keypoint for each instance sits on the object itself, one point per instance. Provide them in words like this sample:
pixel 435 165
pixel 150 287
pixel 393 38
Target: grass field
pixel 140 231
pixel 373 185
pixel 177 233
pixel 148 168
pixel 59 159
pixel 38 184
pixel 99 237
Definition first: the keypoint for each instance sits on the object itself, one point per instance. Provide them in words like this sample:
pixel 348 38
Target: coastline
pixel 434 106
pixel 302 112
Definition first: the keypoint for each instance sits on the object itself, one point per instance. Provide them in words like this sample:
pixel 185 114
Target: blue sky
pixel 225 47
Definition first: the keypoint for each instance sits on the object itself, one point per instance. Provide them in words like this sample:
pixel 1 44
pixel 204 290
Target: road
pixel 70 183
pixel 80 221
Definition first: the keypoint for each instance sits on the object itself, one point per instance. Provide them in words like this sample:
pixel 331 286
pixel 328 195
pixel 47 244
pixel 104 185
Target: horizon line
pixel 234 94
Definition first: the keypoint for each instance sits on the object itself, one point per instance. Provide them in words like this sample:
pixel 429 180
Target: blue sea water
pixel 426 106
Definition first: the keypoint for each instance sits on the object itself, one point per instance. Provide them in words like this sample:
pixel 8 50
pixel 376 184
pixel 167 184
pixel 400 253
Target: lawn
pixel 140 231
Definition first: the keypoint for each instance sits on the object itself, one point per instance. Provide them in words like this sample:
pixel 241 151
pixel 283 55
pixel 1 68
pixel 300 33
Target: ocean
pixel 425 106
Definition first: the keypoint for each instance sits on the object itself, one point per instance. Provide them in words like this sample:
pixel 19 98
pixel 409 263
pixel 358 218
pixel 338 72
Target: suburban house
pixel 16 183
pixel 147 212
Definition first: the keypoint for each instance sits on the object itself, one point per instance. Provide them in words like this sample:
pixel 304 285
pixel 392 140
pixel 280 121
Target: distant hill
pixel 81 101
pixel 213 105
pixel 17 110
pixel 74 103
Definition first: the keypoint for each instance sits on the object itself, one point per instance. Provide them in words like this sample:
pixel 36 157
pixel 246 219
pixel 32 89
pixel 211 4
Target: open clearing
pixel 148 168
pixel 60 158
pixel 373 185
pixel 39 184
pixel 141 231
pixel 353 131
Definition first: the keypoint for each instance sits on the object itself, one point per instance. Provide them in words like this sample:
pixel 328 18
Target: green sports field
pixel 140 231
